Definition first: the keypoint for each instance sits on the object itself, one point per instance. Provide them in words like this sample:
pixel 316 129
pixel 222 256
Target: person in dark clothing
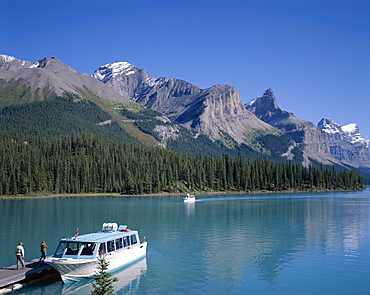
pixel 43 247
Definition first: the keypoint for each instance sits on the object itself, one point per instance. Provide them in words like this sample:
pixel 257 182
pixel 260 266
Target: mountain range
pixel 346 143
pixel 323 142
pixel 209 111
pixel 178 115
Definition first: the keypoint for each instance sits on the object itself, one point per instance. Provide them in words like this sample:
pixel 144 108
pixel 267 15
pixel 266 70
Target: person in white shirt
pixel 19 252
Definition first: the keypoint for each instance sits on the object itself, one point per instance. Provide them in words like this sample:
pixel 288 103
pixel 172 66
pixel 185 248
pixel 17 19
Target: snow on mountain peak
pixel 110 70
pixel 123 68
pixel 351 128
pixel 329 126
pixel 6 58
pixel 8 62
pixel 250 104
pixel 349 132
pixel 353 132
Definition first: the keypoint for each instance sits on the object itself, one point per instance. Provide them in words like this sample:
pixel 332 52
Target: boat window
pixel 126 242
pixel 119 243
pixel 102 249
pixel 72 248
pixel 88 249
pixel 110 246
pixel 60 250
pixel 133 240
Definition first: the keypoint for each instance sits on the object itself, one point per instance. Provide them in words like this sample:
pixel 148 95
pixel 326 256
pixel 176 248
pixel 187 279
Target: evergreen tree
pixel 85 163
pixel 103 284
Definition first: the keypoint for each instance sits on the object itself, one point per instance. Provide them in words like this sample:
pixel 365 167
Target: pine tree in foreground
pixel 103 284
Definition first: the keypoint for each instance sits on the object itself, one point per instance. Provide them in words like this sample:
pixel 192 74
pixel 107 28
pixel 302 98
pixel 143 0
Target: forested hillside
pixel 59 117
pixel 74 145
pixel 81 163
pixel 129 123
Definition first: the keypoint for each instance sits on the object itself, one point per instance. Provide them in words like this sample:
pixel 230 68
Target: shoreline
pixel 44 195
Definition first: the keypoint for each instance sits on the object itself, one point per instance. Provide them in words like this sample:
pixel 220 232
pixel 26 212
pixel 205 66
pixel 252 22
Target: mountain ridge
pixel 23 83
pixel 215 115
pixel 218 110
pixel 51 74
pixel 326 143
pixel 49 78
pixel 346 143
pixel 184 102
pixel 309 138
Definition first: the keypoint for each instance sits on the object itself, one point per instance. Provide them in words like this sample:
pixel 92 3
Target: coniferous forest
pixel 86 163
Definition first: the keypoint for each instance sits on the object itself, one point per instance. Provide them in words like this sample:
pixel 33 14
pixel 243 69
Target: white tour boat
pixel 77 257
pixel 188 198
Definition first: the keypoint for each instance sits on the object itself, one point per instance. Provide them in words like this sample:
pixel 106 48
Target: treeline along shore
pixel 86 163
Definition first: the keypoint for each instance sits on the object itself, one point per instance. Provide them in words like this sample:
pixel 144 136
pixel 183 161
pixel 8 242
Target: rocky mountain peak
pixel 266 107
pixel 350 132
pixel 346 143
pixel 353 131
pixel 127 79
pixel 8 62
pixel 6 58
pixel 53 78
pixel 52 64
pixel 329 126
pixel 269 93
pixel 308 138
pixel 208 111
pixel 110 70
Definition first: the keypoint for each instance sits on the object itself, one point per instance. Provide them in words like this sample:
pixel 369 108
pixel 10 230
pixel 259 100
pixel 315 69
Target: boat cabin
pixel 110 239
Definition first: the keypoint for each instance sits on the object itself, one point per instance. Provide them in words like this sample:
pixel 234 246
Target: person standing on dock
pixel 43 247
pixel 19 252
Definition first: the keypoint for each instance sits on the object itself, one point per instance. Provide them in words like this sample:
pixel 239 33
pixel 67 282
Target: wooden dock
pixel 34 272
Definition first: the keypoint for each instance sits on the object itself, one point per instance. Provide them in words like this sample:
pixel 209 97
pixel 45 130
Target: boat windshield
pixel 75 248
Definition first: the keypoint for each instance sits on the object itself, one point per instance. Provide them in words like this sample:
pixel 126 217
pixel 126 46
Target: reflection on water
pixel 190 208
pixel 128 283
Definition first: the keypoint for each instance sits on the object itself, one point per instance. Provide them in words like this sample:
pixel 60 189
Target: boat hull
pixel 189 200
pixel 72 269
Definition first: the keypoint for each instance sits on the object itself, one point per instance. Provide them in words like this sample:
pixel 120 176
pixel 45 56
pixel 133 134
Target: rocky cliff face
pixel 209 111
pixel 308 137
pixel 346 143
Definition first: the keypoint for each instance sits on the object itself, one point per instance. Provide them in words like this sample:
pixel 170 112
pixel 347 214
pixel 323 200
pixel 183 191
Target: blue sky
pixel 314 54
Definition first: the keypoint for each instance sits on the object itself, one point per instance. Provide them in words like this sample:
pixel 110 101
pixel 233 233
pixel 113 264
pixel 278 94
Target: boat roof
pixel 101 236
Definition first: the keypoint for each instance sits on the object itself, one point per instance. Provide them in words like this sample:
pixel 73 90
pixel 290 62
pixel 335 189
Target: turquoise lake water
pixel 308 243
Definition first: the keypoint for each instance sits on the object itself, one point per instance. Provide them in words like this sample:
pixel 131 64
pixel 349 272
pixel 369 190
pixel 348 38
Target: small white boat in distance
pixel 77 257
pixel 188 198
